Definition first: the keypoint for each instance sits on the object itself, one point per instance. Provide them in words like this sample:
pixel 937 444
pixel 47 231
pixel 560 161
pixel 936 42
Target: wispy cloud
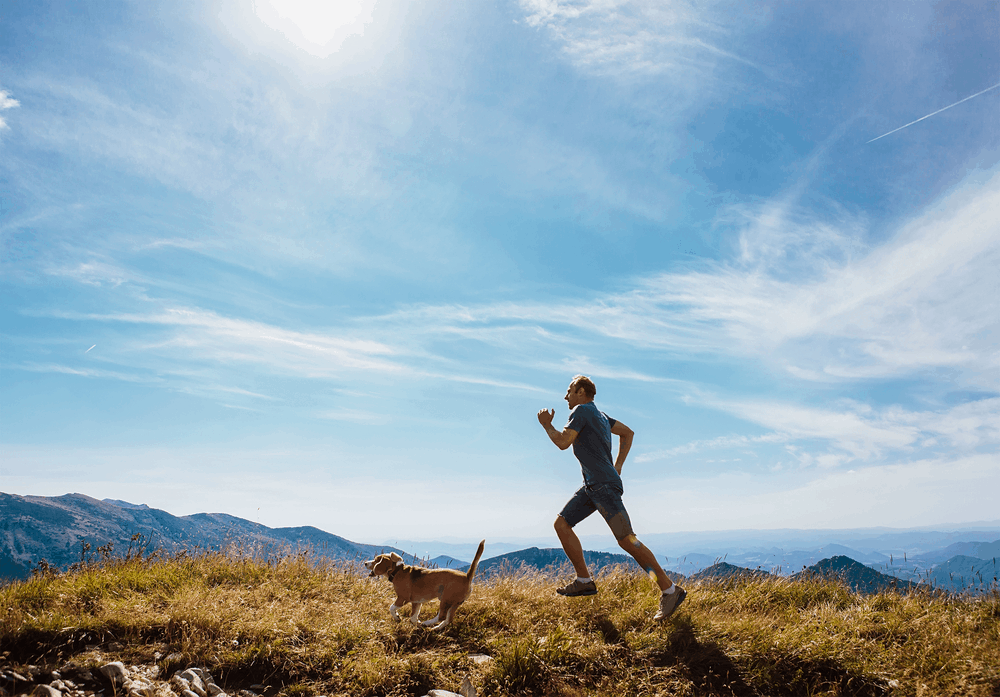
pixel 803 292
pixel 633 37
pixel 856 431
pixel 209 335
pixel 920 491
pixel 87 372
pixel 699 446
pixel 6 102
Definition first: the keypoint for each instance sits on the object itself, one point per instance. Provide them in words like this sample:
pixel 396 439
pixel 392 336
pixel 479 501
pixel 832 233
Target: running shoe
pixel 578 587
pixel 670 603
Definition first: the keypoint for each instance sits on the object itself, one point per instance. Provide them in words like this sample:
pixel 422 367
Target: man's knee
pixel 561 524
pixel 629 543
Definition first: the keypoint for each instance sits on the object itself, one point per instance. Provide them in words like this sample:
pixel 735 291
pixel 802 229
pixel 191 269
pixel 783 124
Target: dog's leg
pixel 433 620
pixel 392 611
pixel 415 615
pixel 445 613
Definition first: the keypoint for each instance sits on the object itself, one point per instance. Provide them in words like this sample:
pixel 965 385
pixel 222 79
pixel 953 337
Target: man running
pixel 589 432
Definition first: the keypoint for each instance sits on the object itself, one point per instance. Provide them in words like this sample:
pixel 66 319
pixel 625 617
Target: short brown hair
pixel 582 381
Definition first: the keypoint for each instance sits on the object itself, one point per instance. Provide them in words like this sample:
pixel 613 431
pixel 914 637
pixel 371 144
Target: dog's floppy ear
pixel 395 557
pixel 373 564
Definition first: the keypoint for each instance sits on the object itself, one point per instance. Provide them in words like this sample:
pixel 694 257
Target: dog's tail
pixel 475 562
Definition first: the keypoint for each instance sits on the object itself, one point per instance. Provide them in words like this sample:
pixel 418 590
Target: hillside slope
pixel 285 627
pixel 857 577
pixel 536 559
pixel 33 528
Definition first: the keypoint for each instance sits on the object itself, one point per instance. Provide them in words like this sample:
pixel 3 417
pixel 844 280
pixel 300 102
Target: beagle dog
pixel 417 586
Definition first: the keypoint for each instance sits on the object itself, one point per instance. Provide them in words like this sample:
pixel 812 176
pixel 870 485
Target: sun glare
pixel 318 27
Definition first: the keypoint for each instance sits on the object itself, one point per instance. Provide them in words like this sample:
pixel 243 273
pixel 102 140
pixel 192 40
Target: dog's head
pixel 383 564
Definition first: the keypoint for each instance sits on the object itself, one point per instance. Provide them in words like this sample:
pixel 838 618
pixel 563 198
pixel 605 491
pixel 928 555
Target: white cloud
pixel 640 36
pixel 6 102
pixel 87 372
pixel 859 432
pixel 803 294
pixel 854 432
pixel 913 493
pixel 720 442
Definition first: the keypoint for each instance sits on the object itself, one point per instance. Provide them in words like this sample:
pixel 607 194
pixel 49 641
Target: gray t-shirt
pixel 592 446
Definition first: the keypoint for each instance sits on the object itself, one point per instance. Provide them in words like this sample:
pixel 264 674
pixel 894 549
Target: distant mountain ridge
pixel 858 577
pixel 965 573
pixel 33 528
pixel 126 504
pixel 725 570
pixel 535 558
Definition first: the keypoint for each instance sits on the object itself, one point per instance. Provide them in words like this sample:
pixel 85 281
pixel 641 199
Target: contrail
pixel 936 112
pixel 88 350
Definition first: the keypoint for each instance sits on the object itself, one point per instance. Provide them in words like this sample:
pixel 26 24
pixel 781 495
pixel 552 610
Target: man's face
pixel 575 397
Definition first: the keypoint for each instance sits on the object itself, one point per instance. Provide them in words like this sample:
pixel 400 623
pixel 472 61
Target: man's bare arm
pixel 563 439
pixel 624 434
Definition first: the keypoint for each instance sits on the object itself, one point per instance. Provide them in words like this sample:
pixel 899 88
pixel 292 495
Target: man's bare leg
pixel 647 560
pixel 574 550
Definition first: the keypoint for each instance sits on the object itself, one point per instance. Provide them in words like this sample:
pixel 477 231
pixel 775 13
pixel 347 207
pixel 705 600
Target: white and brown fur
pixel 417 586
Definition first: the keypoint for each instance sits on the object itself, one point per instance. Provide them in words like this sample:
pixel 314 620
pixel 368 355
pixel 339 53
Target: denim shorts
pixel 599 497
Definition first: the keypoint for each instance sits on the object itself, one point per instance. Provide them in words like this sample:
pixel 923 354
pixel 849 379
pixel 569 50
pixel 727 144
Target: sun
pixel 318 27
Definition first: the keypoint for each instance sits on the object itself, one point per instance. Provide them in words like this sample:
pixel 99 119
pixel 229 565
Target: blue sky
pixel 321 266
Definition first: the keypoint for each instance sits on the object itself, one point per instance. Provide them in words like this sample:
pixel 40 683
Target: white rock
pixel 213 690
pixel 45 691
pixel 196 684
pixel 141 687
pixel 467 689
pixel 180 684
pixel 205 676
pixel 115 672
pixel 480 658
pixel 442 693
pixel 188 693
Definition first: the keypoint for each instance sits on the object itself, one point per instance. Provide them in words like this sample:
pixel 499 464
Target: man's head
pixel 581 390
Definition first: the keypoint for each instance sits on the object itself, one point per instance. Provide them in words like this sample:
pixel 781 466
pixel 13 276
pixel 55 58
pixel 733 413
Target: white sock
pixel 670 591
pixel 581 579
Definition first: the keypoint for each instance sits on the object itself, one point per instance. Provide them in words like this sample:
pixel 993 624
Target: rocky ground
pixel 116 679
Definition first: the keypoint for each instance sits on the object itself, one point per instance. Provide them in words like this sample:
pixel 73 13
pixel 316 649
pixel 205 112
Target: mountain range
pixel 57 529
pixel 64 530
pixel 551 557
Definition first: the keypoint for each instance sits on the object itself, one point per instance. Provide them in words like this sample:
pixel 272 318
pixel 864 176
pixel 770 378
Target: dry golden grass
pixel 307 628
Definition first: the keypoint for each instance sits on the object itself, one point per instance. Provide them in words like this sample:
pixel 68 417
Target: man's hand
pixel 563 439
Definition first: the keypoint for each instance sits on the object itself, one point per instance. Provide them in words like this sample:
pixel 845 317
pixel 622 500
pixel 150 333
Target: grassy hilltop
pixel 306 628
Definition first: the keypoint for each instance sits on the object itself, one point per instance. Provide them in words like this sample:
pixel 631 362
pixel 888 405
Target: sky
pixel 321 264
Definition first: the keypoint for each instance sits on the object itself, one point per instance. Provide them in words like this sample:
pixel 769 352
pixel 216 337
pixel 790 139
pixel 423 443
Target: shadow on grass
pixel 715 673
pixel 707 665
